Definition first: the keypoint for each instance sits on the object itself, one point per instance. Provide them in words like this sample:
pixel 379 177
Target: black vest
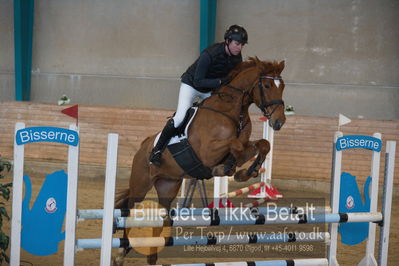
pixel 221 65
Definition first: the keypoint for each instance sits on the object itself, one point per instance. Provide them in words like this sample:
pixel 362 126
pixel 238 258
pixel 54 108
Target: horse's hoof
pixel 117 261
pixel 255 174
pixel 239 176
pixel 229 170
pixel 218 170
pixel 237 179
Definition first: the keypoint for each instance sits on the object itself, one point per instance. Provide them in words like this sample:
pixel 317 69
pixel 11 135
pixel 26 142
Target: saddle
pixel 182 151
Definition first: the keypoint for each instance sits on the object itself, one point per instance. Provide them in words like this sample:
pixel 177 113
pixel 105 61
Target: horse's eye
pixel 267 86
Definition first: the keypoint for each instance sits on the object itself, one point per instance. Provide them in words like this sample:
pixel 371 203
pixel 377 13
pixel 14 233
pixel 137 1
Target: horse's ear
pixel 259 64
pixel 281 66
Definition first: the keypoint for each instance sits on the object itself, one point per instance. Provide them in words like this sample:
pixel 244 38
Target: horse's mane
pixel 266 66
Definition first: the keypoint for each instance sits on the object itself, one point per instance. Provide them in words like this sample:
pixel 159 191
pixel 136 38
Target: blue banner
pixel 350 201
pixel 42 224
pixel 358 141
pixel 47 134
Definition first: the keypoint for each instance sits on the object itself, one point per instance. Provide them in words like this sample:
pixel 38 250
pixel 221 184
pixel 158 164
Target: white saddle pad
pixel 177 139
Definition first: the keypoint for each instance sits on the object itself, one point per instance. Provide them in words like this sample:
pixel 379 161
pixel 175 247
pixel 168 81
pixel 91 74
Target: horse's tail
pixel 121 199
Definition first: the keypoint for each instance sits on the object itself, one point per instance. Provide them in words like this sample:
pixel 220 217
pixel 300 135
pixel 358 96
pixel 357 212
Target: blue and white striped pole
pixel 129 222
pixel 98 213
pixel 140 242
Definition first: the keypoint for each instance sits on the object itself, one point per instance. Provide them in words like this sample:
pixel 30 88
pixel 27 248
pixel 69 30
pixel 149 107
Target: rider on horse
pixel 207 73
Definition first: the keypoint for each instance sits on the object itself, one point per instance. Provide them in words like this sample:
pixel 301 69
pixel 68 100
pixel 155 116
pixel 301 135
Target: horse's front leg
pixel 239 154
pixel 228 166
pixel 260 147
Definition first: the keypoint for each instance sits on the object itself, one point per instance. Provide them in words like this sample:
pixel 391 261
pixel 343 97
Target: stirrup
pixel 155 158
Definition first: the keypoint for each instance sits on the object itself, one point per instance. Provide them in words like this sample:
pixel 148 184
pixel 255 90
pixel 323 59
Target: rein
pixel 240 123
pixel 222 113
pixel 263 106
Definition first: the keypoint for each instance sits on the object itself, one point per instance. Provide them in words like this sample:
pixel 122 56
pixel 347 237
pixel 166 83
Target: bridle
pixel 264 105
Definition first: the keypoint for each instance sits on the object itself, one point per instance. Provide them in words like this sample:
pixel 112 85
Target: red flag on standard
pixel 72 112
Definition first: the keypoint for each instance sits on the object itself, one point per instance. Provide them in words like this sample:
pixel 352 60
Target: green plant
pixel 5 194
pixel 289 108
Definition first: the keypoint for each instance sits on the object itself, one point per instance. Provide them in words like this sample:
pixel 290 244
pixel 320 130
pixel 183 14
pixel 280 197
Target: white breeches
pixel 187 96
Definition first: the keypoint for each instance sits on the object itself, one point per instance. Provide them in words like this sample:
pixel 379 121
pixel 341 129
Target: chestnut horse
pixel 221 128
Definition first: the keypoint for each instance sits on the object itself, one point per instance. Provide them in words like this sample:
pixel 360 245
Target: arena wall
pixel 341 56
pixel 302 152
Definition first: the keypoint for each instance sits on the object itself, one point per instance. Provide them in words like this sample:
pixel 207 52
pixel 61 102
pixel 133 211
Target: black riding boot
pixel 167 132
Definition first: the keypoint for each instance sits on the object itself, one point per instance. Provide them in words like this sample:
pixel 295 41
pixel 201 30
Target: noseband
pixel 263 104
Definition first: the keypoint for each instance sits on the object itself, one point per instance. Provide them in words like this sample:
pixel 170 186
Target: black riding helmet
pixel 236 33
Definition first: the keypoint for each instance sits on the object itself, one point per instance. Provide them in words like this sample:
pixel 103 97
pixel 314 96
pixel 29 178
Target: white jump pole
pixel 334 199
pixel 387 202
pixel 266 176
pixel 268 133
pixel 369 258
pixel 183 189
pixel 72 199
pixel 109 196
pixel 16 219
pixel 220 186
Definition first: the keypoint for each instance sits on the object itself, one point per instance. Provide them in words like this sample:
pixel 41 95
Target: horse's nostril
pixel 277 125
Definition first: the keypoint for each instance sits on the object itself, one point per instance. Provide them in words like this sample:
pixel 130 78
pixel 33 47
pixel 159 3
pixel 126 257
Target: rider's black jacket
pixel 213 64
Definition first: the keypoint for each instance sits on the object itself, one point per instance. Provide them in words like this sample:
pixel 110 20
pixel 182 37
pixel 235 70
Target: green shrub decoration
pixel 5 196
